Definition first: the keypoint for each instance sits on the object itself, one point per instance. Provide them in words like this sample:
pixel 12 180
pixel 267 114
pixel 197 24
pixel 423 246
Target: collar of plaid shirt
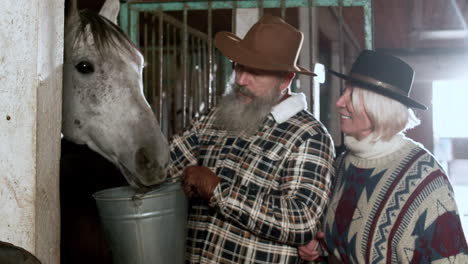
pixel 289 107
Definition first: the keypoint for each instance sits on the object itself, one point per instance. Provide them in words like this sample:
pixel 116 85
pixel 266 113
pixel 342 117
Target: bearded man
pixel 258 167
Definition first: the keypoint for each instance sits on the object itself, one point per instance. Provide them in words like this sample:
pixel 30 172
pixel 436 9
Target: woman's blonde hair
pixel 389 117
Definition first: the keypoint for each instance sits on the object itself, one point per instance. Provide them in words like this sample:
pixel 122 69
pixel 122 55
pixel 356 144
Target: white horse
pixel 103 108
pixel 103 102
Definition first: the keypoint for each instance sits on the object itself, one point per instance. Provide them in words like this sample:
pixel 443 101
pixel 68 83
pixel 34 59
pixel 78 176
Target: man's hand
pixel 199 181
pixel 310 251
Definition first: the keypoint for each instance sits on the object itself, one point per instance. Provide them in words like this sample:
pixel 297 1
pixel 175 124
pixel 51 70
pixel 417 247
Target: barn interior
pixel 430 35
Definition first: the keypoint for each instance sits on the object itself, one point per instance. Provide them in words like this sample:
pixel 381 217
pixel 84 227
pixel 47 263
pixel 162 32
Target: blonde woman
pixel 392 202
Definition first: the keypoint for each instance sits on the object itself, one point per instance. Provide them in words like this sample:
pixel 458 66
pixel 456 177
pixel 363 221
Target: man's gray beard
pixel 237 117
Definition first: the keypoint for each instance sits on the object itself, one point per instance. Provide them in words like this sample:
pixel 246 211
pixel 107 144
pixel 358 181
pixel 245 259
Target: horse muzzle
pixel 147 171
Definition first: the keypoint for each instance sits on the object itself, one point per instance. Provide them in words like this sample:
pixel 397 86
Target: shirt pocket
pixel 269 150
pixel 263 164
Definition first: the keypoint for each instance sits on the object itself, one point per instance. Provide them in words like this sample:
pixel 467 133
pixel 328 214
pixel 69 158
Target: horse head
pixel 103 102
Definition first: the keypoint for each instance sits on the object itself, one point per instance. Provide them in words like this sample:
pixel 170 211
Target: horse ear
pixel 110 10
pixel 73 16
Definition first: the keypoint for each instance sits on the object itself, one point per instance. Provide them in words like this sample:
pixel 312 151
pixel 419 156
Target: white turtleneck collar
pixel 368 148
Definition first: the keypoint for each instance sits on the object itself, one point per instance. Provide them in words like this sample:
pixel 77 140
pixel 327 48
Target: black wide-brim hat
pixel 270 44
pixel 384 74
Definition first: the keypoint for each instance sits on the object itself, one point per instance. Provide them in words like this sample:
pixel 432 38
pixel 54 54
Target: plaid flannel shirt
pixel 273 190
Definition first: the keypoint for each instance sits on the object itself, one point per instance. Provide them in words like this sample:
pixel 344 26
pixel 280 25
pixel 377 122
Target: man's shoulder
pixel 307 123
pixel 205 118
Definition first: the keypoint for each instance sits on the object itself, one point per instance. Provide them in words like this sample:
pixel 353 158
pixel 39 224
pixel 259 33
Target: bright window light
pixel 450 108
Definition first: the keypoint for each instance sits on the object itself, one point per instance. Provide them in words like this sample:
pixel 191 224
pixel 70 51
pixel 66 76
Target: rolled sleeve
pixel 184 151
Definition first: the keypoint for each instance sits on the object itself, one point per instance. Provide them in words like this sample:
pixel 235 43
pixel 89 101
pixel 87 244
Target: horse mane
pixel 105 33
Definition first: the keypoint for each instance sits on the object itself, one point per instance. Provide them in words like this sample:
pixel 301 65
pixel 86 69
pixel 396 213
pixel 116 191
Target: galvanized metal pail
pixel 144 228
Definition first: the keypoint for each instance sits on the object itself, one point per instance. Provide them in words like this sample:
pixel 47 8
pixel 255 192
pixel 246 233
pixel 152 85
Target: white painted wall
pixel 31 55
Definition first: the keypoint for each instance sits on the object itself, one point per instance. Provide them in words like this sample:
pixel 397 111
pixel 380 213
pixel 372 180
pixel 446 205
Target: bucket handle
pixel 137 197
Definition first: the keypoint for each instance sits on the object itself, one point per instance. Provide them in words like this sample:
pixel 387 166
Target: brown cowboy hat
pixel 384 74
pixel 270 44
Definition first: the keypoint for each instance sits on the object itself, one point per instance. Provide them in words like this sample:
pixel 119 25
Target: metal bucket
pixel 144 228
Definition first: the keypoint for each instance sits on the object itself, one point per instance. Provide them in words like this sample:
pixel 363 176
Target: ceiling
pixel 420 24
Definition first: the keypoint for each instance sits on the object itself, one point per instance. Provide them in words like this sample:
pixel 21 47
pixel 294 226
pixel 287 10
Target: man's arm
pixel 184 150
pixel 291 217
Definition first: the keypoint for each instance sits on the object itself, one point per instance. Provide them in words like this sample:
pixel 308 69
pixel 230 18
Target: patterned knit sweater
pixel 393 203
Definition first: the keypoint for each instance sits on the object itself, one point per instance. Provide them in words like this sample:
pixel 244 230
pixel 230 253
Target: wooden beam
pixel 439 34
pixel 443 66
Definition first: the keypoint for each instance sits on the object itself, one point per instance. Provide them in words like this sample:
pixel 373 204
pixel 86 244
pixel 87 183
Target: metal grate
pixel 185 73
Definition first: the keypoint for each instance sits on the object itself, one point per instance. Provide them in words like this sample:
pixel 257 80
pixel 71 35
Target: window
pixel 450 103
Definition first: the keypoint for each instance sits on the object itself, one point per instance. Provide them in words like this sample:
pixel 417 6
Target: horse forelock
pixel 106 34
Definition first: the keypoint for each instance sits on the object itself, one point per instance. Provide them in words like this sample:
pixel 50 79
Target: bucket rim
pixel 132 195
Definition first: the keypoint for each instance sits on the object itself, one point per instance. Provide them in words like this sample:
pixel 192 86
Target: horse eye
pixel 85 67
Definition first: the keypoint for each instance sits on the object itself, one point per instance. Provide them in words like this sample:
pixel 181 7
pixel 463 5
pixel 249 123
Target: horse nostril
pixel 149 171
pixel 144 160
pixel 142 157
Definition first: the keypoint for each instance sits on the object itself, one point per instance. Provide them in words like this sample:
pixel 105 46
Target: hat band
pixel 376 82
